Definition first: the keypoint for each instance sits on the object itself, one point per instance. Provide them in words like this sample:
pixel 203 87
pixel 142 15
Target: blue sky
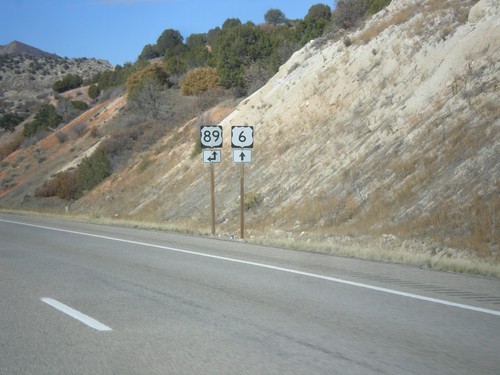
pixel 117 30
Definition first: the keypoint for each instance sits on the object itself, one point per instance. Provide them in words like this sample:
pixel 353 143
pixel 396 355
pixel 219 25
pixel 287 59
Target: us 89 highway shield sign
pixel 211 136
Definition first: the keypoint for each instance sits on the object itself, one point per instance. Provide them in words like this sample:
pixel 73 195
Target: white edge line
pixel 288 270
pixel 91 322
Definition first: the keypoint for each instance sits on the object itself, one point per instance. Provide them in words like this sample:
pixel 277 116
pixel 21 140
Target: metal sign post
pixel 210 138
pixel 242 201
pixel 212 197
pixel 242 143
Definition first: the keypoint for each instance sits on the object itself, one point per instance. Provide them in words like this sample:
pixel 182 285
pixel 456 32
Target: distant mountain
pixel 20 49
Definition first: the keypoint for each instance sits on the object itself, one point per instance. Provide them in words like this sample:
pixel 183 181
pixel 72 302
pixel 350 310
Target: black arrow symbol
pixel 213 157
pixel 242 156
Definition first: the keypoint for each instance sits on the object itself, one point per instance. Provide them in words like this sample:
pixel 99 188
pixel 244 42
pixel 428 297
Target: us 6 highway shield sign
pixel 242 136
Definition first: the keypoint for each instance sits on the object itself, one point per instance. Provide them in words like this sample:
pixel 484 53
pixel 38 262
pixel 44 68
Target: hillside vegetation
pixel 379 140
pixel 27 75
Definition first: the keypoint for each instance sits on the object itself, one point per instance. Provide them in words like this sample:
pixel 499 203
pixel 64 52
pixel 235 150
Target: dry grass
pixel 419 26
pixel 367 248
pixel 313 210
pixel 473 225
pixel 403 166
pixel 11 146
pixel 374 250
pixel 456 220
pixel 455 12
pixel 377 28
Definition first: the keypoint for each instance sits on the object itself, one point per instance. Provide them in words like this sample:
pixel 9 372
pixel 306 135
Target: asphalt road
pixel 87 299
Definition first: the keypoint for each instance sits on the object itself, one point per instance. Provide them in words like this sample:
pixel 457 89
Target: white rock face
pixel 397 132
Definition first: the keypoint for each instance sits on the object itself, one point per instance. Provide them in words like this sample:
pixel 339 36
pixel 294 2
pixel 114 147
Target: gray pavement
pixel 189 305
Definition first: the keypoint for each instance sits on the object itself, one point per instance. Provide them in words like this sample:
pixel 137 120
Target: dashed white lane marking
pixel 75 314
pixel 267 266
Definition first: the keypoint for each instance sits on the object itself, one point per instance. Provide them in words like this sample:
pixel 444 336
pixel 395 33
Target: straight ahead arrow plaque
pixel 242 156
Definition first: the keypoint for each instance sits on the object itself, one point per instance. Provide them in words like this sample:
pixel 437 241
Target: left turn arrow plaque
pixel 212 156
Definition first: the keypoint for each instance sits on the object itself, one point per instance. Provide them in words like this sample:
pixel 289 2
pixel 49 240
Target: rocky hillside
pixel 27 75
pixel 394 130
pixel 389 134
